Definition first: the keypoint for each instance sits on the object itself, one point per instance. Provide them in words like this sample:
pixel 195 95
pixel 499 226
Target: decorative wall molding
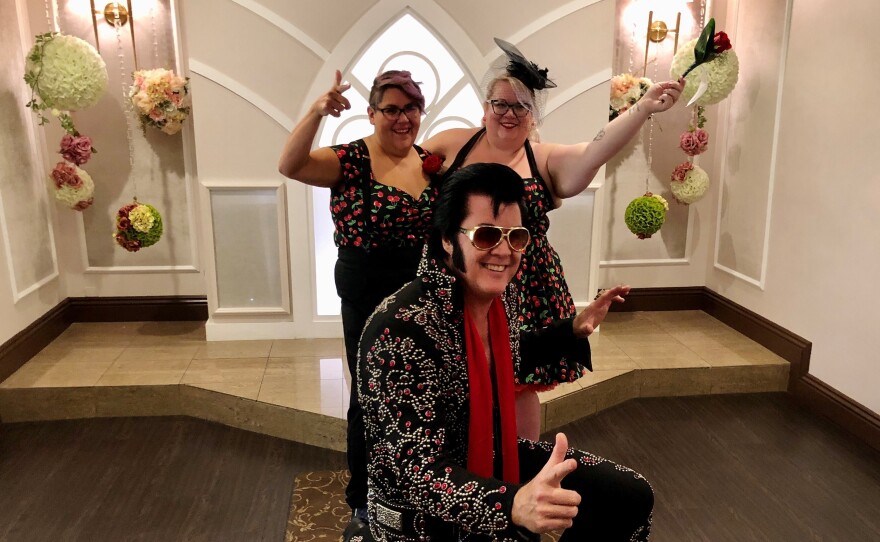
pixel 284 25
pixel 239 89
pixel 645 263
pixel 541 22
pixel 771 174
pixel 581 87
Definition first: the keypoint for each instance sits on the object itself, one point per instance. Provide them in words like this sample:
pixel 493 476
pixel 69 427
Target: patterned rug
pixel 318 510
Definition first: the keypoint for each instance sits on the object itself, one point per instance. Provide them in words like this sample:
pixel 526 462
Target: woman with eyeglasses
pixel 515 95
pixel 380 200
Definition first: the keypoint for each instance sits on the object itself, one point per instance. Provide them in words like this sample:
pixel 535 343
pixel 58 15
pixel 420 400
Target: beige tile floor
pixel 149 368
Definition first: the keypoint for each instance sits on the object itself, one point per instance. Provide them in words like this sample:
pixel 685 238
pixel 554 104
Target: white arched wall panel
pixel 322 23
pixel 257 52
pixel 25 221
pixel 245 95
pixel 742 234
pixel 512 21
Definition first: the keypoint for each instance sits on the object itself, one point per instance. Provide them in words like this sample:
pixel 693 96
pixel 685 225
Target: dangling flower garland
pixel 161 99
pixel 711 69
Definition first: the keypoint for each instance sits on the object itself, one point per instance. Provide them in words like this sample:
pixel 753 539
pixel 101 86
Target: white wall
pixel 817 163
pixel 29 280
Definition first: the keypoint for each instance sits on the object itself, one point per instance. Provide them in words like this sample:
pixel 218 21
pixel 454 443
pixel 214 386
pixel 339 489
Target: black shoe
pixel 357 530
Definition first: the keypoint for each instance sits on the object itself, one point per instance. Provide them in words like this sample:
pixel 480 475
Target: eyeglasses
pixel 500 108
pixel 392 112
pixel 489 237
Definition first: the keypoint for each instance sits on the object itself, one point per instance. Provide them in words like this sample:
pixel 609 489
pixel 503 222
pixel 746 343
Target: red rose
pixel 720 43
pixel 432 164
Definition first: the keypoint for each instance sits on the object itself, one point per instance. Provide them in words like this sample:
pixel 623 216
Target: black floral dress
pixel 544 294
pixel 367 213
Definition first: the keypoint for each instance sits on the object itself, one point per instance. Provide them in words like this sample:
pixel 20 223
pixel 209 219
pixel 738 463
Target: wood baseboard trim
pixel 135 309
pixel 25 344
pixel 807 389
pixel 851 415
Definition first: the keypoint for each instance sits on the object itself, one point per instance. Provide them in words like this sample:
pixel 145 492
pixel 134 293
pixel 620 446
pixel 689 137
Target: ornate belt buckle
pixel 389 517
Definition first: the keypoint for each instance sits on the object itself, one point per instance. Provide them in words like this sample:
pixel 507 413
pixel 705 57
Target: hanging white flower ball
pixel 71 73
pixel 73 186
pixel 689 183
pixel 722 72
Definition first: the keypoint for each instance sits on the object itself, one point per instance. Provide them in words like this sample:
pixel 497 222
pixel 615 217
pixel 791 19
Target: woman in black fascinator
pixel 515 94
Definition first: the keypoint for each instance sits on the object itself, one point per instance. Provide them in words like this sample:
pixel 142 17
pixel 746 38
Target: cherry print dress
pixel 544 294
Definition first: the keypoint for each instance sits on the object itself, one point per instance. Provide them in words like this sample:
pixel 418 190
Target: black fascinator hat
pixel 520 68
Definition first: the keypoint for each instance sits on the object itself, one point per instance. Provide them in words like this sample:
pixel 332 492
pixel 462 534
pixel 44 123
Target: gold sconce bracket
pixel 112 12
pixel 657 32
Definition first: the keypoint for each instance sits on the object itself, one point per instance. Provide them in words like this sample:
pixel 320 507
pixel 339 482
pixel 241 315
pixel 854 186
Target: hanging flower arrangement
pixel 689 183
pixel 76 149
pixel 73 186
pixel 626 90
pixel 161 99
pixel 646 214
pixel 138 225
pixel 65 74
pixel 709 65
pixel 694 142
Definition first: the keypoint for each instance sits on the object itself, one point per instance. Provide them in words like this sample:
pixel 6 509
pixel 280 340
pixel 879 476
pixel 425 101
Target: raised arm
pixel 571 168
pixel 319 167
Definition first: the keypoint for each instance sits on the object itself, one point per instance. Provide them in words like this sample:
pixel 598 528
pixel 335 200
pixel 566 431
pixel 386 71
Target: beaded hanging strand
pixel 52 16
pixel 126 101
pixel 155 38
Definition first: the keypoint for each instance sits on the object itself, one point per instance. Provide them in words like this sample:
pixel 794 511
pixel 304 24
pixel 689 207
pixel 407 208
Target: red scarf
pixel 480 430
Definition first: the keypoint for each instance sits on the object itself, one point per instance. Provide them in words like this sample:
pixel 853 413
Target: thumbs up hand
pixel 542 505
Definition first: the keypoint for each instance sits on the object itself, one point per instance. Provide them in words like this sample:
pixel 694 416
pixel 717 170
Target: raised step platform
pixel 298 389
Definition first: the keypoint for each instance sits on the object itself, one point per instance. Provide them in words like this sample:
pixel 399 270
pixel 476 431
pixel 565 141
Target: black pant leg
pixel 363 280
pixel 616 502
pixel 350 287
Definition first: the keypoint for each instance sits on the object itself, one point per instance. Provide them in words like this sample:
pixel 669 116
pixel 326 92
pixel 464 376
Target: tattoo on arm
pixel 635 108
pixel 600 135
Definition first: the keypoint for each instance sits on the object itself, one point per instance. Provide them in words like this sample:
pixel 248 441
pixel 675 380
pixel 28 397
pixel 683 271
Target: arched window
pixel 451 101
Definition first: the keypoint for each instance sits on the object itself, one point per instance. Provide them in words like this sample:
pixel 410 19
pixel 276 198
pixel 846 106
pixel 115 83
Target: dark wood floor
pixel 724 468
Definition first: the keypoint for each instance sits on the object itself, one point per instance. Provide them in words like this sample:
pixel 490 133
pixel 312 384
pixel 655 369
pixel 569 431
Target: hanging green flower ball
pixel 65 72
pixel 138 225
pixel 644 215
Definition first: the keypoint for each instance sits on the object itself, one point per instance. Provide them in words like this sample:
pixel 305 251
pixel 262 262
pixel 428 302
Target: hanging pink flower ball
pixel 694 143
pixel 681 171
pixel 76 149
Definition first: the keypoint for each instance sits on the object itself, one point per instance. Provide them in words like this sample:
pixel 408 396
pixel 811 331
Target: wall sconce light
pixel 657 32
pixel 113 12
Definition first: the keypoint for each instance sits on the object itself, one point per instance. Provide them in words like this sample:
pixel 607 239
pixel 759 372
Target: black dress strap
pixel 464 151
pixel 533 165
